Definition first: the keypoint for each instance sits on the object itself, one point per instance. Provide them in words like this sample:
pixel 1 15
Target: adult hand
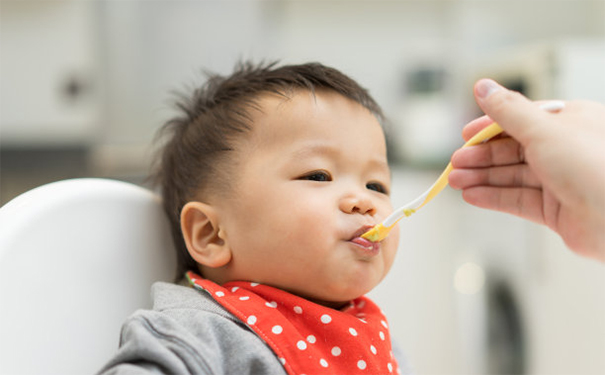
pixel 547 167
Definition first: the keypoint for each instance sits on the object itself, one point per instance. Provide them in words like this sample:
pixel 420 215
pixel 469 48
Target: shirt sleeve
pixel 202 343
pixel 147 347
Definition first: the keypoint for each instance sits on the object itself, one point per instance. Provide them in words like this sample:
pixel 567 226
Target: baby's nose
pixel 357 203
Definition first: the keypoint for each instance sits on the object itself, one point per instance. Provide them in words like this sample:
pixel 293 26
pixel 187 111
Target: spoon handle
pixel 487 133
pixel 381 231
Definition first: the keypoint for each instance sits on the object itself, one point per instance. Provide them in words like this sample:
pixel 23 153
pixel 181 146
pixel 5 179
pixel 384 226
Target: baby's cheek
pixel 313 226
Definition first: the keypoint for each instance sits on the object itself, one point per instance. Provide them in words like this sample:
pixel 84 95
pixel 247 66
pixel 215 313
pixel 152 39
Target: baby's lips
pixel 363 242
pixel 361 231
pixel 371 248
pixel 367 248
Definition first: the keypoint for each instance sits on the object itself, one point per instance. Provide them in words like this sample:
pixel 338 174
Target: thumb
pixel 516 114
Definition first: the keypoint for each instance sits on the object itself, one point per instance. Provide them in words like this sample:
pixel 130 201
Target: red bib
pixel 306 337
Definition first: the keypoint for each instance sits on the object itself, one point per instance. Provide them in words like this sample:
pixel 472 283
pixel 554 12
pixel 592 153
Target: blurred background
pixel 84 85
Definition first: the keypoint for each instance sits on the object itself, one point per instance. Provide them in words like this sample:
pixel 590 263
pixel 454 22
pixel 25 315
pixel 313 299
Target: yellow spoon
pixel 380 231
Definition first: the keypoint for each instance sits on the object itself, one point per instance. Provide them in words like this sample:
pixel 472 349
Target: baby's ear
pixel 202 234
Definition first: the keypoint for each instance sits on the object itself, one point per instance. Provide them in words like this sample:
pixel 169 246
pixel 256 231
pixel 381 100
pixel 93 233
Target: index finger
pixel 475 127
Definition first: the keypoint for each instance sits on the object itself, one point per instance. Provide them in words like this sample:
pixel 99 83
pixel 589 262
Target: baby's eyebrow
pixel 380 165
pixel 325 149
pixel 314 149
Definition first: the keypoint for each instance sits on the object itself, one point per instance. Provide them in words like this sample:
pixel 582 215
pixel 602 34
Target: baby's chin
pixel 334 300
pixel 331 304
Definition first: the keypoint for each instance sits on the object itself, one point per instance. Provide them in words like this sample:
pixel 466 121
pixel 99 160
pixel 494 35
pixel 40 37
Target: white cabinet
pixel 49 81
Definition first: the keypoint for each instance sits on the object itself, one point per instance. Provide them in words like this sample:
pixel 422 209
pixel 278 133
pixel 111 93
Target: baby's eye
pixel 320 176
pixel 378 187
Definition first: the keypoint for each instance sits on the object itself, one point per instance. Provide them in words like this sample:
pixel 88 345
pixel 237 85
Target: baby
pixel 269 177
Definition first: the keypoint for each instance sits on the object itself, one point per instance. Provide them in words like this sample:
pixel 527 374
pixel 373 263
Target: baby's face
pixel 312 176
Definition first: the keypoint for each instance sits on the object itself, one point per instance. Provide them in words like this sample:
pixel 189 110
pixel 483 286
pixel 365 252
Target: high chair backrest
pixel 76 258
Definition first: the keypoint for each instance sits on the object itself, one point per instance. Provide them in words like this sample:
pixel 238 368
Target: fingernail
pixel 486 87
pixel 553 106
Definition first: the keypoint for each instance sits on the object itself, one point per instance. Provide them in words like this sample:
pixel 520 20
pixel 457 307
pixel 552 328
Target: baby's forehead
pixel 269 100
pixel 288 100
pixel 310 114
pixel 269 107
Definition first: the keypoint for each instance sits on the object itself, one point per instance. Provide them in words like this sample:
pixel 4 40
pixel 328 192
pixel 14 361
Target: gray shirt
pixel 187 332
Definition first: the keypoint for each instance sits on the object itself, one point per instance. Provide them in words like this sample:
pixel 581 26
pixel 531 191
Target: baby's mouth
pixel 369 247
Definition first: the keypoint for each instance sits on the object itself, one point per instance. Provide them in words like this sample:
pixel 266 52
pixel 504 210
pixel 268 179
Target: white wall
pixel 151 48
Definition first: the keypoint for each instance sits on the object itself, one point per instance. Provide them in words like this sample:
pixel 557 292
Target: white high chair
pixel 76 258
